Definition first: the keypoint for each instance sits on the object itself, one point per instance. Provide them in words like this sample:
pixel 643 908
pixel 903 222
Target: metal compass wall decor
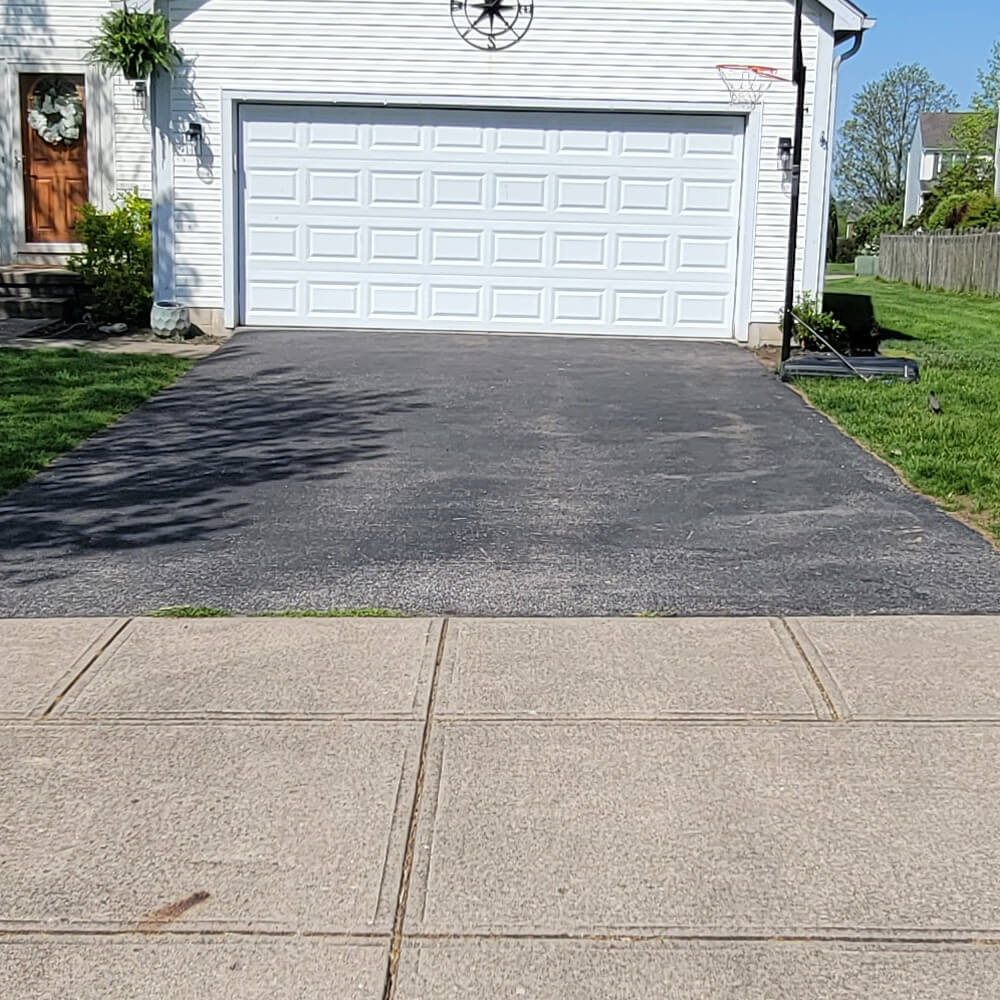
pixel 492 24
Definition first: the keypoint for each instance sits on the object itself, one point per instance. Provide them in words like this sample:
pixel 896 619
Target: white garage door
pixel 429 219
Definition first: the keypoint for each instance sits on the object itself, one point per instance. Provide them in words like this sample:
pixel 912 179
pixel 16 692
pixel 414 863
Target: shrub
pixel 117 264
pixel 870 227
pixel 832 330
pixel 847 250
pixel 965 210
pixel 961 178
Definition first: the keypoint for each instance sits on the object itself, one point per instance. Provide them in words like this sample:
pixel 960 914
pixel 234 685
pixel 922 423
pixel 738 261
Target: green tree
pixel 874 142
pixel 975 133
pixel 870 227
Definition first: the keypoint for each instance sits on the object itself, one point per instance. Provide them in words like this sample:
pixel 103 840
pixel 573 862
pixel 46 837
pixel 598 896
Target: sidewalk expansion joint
pixel 828 700
pixel 989 939
pixel 396 945
pixel 78 676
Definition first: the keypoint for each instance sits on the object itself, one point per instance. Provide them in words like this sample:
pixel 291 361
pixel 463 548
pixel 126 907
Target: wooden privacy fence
pixel 963 262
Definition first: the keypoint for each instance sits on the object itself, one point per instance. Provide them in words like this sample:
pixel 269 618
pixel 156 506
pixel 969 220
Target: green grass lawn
pixel 955 457
pixel 840 268
pixel 51 400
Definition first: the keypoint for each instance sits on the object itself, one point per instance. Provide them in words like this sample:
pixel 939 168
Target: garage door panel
pixel 432 219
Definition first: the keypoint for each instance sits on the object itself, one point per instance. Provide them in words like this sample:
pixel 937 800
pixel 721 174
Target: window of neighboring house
pixel 944 160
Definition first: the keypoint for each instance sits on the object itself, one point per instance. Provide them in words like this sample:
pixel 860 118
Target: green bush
pixel 961 178
pixel 870 227
pixel 966 210
pixel 117 264
pixel 847 250
pixel 832 330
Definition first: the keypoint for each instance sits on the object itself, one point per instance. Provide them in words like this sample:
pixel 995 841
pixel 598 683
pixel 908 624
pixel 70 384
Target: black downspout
pixel 799 78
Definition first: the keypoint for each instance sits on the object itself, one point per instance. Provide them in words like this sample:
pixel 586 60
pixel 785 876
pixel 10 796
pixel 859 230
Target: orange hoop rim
pixel 765 72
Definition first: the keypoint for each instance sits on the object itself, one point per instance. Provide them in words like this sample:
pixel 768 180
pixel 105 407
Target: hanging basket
pixel 134 43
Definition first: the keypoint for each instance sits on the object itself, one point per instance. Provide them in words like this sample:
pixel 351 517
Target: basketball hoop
pixel 747 84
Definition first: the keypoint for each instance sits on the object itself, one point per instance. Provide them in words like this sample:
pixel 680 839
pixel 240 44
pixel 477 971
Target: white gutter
pixel 831 127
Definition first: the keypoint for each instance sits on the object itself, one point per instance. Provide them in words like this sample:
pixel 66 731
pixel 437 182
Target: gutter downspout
pixel 831 131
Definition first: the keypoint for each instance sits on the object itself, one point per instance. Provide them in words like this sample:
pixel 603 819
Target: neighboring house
pixel 932 151
pixel 385 164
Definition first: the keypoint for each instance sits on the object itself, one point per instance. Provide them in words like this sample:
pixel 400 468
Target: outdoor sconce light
pixel 140 94
pixel 785 152
pixel 194 136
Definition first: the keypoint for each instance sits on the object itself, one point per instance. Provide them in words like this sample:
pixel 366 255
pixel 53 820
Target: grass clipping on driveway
pixel 50 401
pixel 955 457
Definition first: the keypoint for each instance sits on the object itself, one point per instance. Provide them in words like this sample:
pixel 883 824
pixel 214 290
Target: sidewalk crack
pixel 396 947
pixel 79 675
pixel 813 673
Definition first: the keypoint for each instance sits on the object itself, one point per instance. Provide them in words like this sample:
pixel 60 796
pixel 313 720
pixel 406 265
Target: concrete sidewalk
pixel 556 810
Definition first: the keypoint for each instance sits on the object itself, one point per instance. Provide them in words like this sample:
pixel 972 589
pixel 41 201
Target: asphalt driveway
pixel 481 475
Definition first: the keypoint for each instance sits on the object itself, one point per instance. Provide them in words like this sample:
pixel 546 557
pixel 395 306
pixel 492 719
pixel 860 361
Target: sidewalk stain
pixel 168 914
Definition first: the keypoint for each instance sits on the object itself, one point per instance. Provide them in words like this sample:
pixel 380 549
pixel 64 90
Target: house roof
pixel 935 129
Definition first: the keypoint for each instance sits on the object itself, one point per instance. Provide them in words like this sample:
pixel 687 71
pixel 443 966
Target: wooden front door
pixel 54 146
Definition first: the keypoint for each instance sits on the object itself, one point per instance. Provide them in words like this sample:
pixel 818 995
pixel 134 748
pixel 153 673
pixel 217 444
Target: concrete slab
pixel 624 668
pixel 39 658
pixel 707 828
pixel 909 667
pixel 577 970
pixel 297 827
pixel 322 667
pixel 129 968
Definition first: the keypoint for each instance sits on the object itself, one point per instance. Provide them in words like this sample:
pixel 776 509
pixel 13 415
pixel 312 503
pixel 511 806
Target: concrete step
pixel 66 291
pixel 37 277
pixel 36 307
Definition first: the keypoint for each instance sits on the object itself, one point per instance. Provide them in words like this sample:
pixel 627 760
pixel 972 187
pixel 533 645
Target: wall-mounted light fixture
pixel 785 152
pixel 195 136
pixel 140 94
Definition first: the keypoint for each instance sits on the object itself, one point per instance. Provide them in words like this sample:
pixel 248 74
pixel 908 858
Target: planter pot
pixel 170 320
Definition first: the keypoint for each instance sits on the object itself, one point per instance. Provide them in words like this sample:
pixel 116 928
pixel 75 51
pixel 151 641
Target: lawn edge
pixel 187 365
pixel 900 475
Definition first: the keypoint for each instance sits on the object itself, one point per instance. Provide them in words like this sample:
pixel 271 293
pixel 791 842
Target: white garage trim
pixel 232 190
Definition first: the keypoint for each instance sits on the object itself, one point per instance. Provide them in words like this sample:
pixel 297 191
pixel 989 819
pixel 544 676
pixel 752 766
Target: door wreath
pixel 56 111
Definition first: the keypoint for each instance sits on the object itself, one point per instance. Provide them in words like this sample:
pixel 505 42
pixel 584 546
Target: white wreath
pixel 57 112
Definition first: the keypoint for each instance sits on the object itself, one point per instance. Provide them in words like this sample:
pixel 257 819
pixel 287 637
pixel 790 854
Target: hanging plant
pixel 56 111
pixel 135 43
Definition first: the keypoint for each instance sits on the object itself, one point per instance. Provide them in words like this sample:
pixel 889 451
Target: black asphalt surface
pixel 482 476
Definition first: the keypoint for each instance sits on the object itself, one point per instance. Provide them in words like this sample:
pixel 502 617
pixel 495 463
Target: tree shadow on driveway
pixel 176 469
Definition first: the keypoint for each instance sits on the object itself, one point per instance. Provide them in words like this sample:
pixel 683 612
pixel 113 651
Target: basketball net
pixel 747 84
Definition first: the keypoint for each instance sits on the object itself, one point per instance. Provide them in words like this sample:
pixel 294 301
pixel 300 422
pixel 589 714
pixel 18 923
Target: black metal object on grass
pixel 834 366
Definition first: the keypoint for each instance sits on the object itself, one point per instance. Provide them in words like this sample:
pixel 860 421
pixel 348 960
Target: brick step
pixel 37 307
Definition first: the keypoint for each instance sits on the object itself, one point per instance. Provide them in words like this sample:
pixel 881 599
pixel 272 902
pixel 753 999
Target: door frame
pixel 98 98
pixel 232 186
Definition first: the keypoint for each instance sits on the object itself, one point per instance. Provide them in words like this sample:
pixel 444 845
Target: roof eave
pixel 848 19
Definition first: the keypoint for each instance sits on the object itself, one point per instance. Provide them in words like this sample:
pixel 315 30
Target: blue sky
pixel 951 39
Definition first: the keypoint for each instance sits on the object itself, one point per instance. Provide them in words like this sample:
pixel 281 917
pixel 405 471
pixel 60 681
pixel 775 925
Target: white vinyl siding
pixel 577 50
pixel 59 31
